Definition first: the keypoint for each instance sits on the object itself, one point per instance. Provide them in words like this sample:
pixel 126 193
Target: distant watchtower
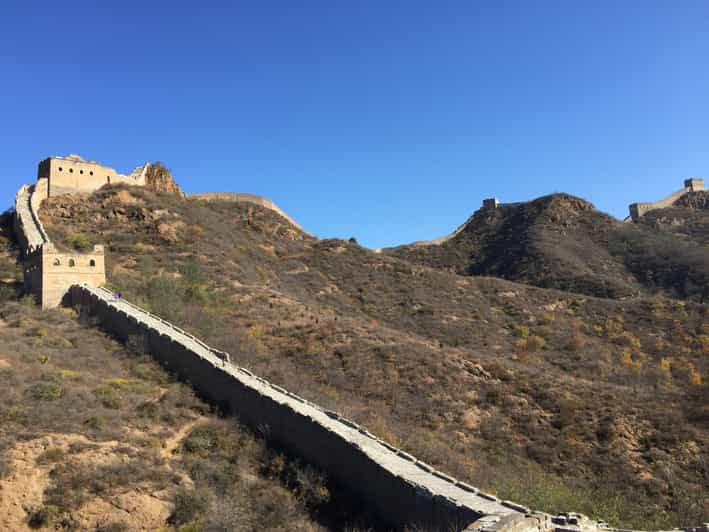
pixel 694 184
pixel 490 203
pixel 690 185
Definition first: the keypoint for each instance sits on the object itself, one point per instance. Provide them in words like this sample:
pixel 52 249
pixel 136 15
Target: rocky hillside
pixel 563 242
pixel 550 397
pixel 159 178
pixel 686 220
pixel 94 435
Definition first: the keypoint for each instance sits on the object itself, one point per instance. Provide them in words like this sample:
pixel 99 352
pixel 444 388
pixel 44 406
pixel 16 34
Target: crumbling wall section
pixel 246 198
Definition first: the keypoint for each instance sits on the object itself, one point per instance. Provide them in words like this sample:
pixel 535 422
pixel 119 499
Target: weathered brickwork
pixel 71 174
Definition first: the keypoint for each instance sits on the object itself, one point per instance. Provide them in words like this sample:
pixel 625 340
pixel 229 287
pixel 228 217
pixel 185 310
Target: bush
pixel 51 455
pixel 46 391
pixel 79 242
pixel 43 517
pixel 189 506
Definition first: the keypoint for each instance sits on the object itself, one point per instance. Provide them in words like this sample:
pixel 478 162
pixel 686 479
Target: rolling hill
pixel 547 352
pixel 560 241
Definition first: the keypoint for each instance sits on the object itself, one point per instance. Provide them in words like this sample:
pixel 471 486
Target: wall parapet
pixel 403 489
pixel 28 227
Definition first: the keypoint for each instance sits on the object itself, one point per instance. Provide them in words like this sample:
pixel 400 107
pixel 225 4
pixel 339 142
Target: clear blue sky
pixel 388 121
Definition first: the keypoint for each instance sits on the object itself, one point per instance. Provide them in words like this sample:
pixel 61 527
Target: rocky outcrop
pixel 159 179
pixel 694 200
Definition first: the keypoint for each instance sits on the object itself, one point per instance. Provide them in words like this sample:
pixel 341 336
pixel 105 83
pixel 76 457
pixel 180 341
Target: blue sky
pixel 387 121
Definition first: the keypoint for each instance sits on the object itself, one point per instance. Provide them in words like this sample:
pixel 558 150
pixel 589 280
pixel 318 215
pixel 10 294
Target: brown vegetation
pixel 555 399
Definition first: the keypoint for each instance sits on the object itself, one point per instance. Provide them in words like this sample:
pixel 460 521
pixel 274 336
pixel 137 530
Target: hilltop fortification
pixel 49 272
pixel 639 209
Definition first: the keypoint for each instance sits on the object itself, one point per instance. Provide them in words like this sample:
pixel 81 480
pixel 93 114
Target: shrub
pixel 95 422
pixel 79 241
pixel 51 455
pixel 109 396
pixel 46 391
pixel 43 517
pixel 520 330
pixel 189 506
pixel 203 440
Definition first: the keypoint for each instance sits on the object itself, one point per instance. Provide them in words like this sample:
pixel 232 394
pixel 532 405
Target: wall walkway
pixel 402 489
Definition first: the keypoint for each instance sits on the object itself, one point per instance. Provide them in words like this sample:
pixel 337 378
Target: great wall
pixel 401 489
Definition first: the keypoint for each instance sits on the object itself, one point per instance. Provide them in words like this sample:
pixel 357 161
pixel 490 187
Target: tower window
pixel 57 262
pixel 60 168
pixel 72 263
pixel 81 171
pixel 71 170
pixel 91 172
pixel 92 263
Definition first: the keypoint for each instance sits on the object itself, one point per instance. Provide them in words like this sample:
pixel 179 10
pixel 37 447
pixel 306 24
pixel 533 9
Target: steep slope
pixel 563 242
pixel 559 401
pixel 97 436
pixel 688 218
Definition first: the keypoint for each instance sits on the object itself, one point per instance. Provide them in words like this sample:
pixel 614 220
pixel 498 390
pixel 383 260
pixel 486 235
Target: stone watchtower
pixel 694 184
pixel 71 174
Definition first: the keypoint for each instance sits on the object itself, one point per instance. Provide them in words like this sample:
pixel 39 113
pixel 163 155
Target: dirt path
pixel 173 442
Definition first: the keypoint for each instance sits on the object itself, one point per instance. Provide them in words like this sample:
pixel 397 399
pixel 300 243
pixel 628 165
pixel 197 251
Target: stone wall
pixel 59 271
pixel 48 273
pixel 402 489
pixel 247 198
pixel 639 209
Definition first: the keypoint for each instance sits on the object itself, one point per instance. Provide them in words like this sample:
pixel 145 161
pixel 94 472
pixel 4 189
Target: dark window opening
pixel 92 263
pixel 81 171
pixel 72 263
pixel 57 262
pixel 108 180
pixel 91 172
pixel 71 170
pixel 60 169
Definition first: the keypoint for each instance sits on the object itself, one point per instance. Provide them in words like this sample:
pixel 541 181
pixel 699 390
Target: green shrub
pixel 95 422
pixel 43 517
pixel 203 440
pixel 79 242
pixel 189 506
pixel 46 391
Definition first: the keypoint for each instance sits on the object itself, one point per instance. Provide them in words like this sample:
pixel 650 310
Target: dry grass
pixel 575 409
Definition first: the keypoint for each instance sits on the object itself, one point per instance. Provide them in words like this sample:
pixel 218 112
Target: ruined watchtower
pixel 71 174
pixel 48 272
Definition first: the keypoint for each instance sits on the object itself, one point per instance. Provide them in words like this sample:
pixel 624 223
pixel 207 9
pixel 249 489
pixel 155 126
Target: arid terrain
pixel 548 353
pixel 95 435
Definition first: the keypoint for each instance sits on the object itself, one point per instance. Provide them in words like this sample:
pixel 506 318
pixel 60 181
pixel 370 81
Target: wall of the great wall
pixel 48 273
pixel 400 488
pixel 640 209
pixel 246 198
